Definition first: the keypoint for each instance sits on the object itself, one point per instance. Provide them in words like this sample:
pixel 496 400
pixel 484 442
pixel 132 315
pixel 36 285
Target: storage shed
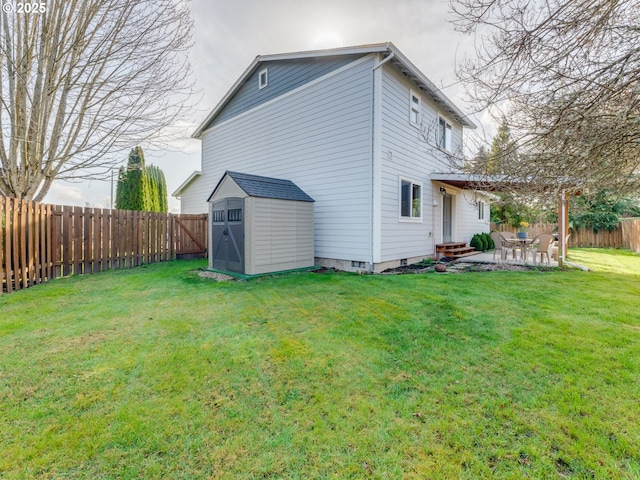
pixel 259 225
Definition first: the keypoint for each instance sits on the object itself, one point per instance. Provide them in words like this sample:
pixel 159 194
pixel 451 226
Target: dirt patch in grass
pixel 218 277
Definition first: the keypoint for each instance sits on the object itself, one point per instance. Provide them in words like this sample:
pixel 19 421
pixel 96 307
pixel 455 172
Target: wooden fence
pixel 41 242
pixel 625 235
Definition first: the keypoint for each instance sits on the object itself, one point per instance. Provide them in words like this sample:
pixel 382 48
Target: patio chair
pixel 544 244
pixel 502 245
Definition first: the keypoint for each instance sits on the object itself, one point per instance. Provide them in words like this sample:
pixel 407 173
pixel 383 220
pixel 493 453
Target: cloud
pixel 228 36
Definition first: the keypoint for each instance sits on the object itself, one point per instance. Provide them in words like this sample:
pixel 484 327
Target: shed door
pixel 227 234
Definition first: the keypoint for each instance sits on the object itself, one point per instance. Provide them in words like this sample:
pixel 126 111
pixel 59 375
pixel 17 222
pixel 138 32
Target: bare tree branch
pixel 565 75
pixel 85 80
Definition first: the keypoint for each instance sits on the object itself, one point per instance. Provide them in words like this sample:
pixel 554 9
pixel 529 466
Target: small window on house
pixel 443 139
pixel 410 200
pixel 481 206
pixel 263 78
pixel 414 106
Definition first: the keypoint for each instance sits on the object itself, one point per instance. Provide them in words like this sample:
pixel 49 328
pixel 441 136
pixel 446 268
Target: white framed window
pixel 414 108
pixel 410 200
pixel 481 210
pixel 263 78
pixel 443 136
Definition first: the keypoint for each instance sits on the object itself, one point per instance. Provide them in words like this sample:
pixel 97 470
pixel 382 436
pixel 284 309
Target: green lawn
pixel 156 373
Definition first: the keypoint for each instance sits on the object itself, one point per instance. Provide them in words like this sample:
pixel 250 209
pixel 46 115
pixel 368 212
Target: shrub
pixel 476 242
pixel 489 240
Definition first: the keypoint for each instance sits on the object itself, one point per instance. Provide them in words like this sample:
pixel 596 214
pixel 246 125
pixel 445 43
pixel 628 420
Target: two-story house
pixel 365 134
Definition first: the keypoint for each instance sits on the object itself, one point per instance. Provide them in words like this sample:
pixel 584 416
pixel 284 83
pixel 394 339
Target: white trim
pixel 288 94
pixel 265 72
pixel 223 101
pixel 184 184
pixel 376 167
pixel 481 211
pixel 454 217
pixel 358 49
pixel 418 111
pixel 448 133
pixel 411 71
pixel 412 183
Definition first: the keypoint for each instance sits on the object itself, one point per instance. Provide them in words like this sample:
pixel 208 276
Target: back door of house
pixel 227 234
pixel 447 217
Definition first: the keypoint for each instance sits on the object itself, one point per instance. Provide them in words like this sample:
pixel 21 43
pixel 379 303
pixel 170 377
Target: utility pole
pixel 111 188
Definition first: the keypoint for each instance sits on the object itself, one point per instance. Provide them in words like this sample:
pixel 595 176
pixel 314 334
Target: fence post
pixel 3 225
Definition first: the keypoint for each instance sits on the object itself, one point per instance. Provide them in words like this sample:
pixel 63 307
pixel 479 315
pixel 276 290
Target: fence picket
pixel 2 227
pixel 34 237
pixel 16 245
pixel 40 242
pixel 7 245
pixel 626 235
pixel 57 219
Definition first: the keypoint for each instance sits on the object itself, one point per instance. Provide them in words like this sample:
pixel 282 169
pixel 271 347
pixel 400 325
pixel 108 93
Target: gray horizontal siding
pixel 405 154
pixel 318 137
pixel 284 76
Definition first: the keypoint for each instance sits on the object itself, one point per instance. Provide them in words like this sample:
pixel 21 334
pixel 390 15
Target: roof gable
pixel 265 187
pixel 396 58
pixel 283 77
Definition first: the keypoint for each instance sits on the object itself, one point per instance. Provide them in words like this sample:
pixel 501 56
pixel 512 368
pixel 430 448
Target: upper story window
pixel 443 138
pixel 481 207
pixel 414 108
pixel 263 78
pixel 410 200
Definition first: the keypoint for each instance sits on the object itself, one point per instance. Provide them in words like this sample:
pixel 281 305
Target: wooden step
pixel 459 250
pixel 444 246
pixel 455 250
pixel 468 254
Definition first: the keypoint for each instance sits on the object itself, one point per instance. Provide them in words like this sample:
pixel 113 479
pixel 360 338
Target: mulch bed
pixel 460 267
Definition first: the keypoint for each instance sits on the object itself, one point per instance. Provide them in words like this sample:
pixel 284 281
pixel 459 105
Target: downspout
pixel 433 219
pixel 561 234
pixel 389 57
pixel 376 154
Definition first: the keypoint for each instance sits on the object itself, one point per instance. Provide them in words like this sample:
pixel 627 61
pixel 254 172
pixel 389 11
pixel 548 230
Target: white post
pixel 562 228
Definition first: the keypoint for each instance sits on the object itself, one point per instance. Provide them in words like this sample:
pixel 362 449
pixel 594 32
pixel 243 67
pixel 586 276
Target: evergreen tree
pixel 478 163
pixel 502 152
pixel 141 187
pixel 121 191
pixel 158 189
pixel 133 187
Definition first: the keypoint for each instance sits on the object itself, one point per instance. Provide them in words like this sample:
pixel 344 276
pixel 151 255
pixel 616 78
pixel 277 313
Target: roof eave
pixel 388 47
pixel 186 183
pixel 431 88
pixel 363 49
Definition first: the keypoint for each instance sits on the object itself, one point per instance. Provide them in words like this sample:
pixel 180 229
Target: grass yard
pixel 157 373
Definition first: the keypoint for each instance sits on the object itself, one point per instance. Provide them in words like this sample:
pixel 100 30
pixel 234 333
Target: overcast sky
pixel 230 33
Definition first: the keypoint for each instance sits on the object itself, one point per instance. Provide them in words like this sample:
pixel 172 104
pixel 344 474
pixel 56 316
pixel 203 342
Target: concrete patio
pixel 487 257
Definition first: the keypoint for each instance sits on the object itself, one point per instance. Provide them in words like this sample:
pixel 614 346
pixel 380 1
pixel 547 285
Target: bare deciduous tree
pixel 85 79
pixel 565 77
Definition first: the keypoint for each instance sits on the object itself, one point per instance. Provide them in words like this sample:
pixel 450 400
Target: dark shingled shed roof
pixel 266 187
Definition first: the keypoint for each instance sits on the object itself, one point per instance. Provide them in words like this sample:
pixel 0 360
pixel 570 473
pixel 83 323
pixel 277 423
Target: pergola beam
pixel 497 183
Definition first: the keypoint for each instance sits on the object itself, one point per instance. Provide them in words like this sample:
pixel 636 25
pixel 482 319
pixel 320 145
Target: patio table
pixel 522 244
